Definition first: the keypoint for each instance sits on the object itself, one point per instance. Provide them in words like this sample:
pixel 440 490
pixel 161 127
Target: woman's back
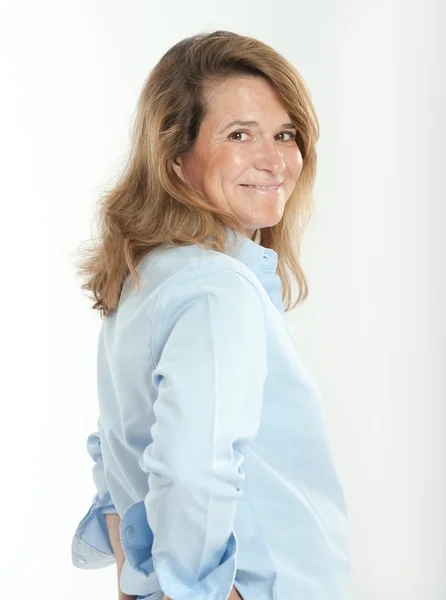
pixel 212 436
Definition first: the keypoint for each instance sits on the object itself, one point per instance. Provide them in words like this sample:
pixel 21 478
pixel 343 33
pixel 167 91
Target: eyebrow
pixel 253 123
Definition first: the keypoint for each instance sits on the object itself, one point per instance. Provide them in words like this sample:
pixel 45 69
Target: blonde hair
pixel 150 205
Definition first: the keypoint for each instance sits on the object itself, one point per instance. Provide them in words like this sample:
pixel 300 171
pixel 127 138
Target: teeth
pixel 264 187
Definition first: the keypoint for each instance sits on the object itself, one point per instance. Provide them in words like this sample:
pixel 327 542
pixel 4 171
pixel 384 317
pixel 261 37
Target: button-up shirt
pixel 211 441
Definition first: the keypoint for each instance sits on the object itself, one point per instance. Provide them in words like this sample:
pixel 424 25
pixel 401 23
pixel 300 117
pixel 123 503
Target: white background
pixel 372 331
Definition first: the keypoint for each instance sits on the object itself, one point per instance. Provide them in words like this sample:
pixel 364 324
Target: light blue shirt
pixel 211 441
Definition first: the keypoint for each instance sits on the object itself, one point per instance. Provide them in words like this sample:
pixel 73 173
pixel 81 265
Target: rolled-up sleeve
pixel 91 546
pixel 209 361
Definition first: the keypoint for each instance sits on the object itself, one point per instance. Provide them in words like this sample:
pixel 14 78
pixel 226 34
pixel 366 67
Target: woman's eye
pixel 237 133
pixel 290 133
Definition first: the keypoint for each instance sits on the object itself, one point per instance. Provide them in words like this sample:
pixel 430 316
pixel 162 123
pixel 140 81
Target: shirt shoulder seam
pixel 184 272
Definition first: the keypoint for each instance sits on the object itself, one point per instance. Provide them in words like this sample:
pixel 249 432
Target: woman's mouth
pixel 265 189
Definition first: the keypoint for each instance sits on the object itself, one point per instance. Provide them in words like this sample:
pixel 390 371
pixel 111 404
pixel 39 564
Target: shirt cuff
pixel 137 540
pixel 110 510
pixel 91 547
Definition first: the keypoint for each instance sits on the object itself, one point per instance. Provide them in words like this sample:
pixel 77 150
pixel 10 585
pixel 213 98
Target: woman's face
pixel 229 159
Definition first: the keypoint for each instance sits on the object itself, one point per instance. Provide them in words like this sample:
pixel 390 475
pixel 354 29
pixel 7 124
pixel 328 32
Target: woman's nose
pixel 269 156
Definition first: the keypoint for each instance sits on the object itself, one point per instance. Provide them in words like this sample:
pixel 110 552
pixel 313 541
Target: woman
pixel 211 449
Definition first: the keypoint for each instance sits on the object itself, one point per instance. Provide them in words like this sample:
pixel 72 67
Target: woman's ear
pixel 178 167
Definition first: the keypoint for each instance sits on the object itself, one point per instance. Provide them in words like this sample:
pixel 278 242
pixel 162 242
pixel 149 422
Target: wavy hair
pixel 150 205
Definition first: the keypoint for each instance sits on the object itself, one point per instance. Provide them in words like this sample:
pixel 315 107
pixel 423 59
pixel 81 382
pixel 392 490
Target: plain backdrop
pixel 372 332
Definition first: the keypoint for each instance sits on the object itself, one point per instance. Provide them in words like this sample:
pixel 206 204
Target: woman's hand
pixel 234 595
pixel 113 522
pixel 119 562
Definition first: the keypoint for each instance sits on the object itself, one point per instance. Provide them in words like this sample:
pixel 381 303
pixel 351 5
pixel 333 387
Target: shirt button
pixel 129 531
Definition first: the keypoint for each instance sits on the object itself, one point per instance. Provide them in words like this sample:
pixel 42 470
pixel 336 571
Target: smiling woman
pixel 211 447
pixel 249 167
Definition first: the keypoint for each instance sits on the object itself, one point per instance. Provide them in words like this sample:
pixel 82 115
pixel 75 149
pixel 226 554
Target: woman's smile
pixel 246 141
pixel 264 190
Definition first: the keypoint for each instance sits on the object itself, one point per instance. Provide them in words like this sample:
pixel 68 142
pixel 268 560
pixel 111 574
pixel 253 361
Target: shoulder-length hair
pixel 150 205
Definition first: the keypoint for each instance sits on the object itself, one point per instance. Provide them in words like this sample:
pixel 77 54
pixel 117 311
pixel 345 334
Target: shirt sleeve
pixel 91 546
pixel 209 359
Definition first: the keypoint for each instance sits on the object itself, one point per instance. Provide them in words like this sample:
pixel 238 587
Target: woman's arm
pixel 209 356
pixel 112 522
pixel 113 530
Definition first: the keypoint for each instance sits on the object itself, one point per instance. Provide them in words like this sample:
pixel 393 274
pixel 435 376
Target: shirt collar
pixel 260 260
pixel 255 256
